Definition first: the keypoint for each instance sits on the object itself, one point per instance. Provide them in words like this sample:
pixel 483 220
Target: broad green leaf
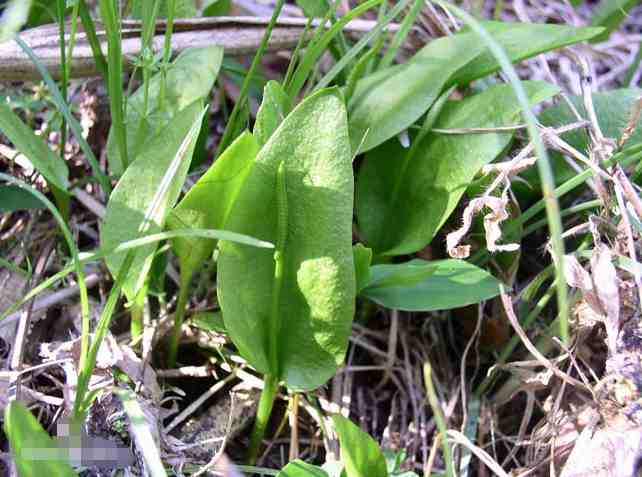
pixel 14 198
pixel 293 321
pixel 190 78
pixel 521 41
pixel 610 14
pixel 274 107
pixel 132 197
pixel 298 468
pixel 50 165
pixel 209 202
pixel 360 453
pixel 389 101
pixel 613 110
pixel 403 201
pixel 419 285
pixel 217 8
pixel 362 256
pixel 182 8
pixel 33 450
pixel 313 8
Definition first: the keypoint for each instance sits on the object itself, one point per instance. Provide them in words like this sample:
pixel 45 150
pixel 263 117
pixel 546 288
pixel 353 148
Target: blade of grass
pixel 90 30
pixel 543 163
pixel 77 266
pixel 64 78
pixel 142 434
pixel 88 257
pixel 361 44
pixel 314 50
pixel 62 106
pixel 111 20
pixel 401 35
pixel 318 31
pixel 295 54
pixel 167 50
pixel 440 420
pixel 232 125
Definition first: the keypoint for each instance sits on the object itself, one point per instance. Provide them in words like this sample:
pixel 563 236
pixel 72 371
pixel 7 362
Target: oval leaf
pixel 380 109
pixel 403 201
pixel 389 101
pixel 294 322
pixel 419 285
pixel 131 199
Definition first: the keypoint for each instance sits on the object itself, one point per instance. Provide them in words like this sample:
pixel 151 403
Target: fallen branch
pixel 237 35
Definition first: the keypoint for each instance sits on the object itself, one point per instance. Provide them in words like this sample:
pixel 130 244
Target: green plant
pixel 289 312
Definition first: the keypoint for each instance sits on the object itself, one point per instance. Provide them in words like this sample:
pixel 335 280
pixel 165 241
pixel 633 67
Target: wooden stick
pixel 238 35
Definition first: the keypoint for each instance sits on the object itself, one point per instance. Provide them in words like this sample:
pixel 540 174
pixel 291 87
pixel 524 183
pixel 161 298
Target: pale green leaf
pixel 303 313
pixel 403 201
pixel 129 202
pixel 420 285
pixel 190 78
pixel 521 41
pixel 390 100
pixel 14 16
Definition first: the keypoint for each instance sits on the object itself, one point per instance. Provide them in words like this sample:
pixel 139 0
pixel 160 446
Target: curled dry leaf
pixel 499 213
pixel 606 289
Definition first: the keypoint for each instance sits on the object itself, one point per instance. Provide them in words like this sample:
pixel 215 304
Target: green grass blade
pixel 142 434
pixel 315 49
pixel 543 163
pixel 111 20
pixel 90 30
pixel 440 420
pixel 401 35
pixel 62 106
pixel 361 44
pixel 232 126
pixel 77 266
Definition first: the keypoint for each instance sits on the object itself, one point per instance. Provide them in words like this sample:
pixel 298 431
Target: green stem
pixel 64 70
pixel 137 313
pixel 90 30
pixel 266 403
pixel 167 50
pixel 181 304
